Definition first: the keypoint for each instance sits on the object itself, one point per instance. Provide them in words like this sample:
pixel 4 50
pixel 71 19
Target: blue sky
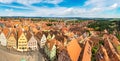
pixel 61 8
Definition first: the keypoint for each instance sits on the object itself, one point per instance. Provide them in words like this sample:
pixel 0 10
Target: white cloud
pixel 96 9
pixel 102 3
pixel 12 6
pixel 114 6
pixel 29 2
pixel 57 12
pixel 6 1
pixel 100 6
pixel 53 1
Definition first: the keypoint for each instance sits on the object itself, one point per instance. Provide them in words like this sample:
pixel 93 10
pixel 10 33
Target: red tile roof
pixel 6 31
pixel 51 43
pixel 87 52
pixel 74 50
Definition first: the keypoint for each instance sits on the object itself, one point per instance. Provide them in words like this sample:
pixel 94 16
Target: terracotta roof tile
pixel 87 52
pixel 12 33
pixel 28 35
pixel 6 31
pixel 19 32
pixel 74 50
pixel 64 56
pixel 50 43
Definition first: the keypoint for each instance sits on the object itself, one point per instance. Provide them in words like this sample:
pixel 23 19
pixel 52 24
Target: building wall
pixel 11 42
pixel 43 41
pixel 51 54
pixel 32 43
pixel 3 39
pixel 22 43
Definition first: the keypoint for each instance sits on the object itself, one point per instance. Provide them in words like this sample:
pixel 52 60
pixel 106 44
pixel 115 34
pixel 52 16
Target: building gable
pixel 43 39
pixel 32 43
pixel 22 37
pixel 22 43
pixel 49 36
pixel 33 39
pixel 3 39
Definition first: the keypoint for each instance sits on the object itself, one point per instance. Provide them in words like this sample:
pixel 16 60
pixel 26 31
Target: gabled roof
pixel 39 35
pixel 12 33
pixel 64 56
pixel 50 43
pixel 104 52
pixel 28 35
pixel 87 52
pixel 35 30
pixel 64 28
pixel 33 38
pixel 74 50
pixel 60 45
pixel 26 28
pixel 19 33
pixel 45 32
pixel 54 32
pixel 70 34
pixel 49 36
pixel 6 31
pixel 59 38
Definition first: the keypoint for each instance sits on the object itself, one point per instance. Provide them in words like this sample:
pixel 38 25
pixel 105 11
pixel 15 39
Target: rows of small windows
pixel 22 42
pixel 33 43
pixel 22 47
pixel 11 40
pixel 11 44
pixel 22 39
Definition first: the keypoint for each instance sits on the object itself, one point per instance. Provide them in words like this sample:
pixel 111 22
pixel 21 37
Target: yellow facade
pixel 11 42
pixel 22 43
